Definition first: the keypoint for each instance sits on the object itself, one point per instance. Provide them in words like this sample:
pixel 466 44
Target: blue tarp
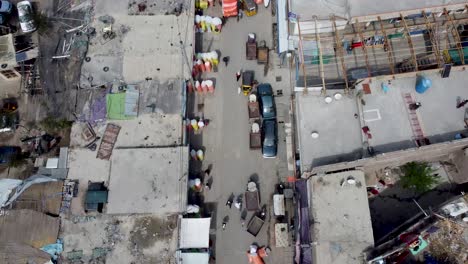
pixel 54 250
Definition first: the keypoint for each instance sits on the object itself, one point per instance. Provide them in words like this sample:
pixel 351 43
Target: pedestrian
pixel 238 75
pixel 220 2
pixel 462 103
pixel 414 106
pixel 226 60
pixel 356 115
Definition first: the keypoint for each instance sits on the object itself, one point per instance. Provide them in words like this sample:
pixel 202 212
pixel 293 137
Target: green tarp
pixel 115 105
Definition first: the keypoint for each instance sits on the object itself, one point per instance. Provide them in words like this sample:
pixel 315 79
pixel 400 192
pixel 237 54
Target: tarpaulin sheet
pixel 194 232
pixel 26 184
pixel 115 106
pixel 131 101
pixel 229 8
pixel 6 187
pixel 304 228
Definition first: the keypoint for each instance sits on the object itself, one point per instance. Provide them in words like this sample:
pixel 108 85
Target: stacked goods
pixel 208 24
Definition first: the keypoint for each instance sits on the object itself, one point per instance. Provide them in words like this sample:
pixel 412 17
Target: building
pixel 340 43
pixel 130 137
pixel 17 59
pixel 341 230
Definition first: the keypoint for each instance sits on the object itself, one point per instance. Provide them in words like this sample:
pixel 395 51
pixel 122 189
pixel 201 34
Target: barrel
pixel 422 84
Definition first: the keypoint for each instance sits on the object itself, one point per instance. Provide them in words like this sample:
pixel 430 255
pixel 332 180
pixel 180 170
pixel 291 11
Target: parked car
pixel 267 104
pixel 5 7
pixel 26 16
pixel 270 138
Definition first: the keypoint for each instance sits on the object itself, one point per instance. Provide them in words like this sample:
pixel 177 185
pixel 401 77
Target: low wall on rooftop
pixel 432 152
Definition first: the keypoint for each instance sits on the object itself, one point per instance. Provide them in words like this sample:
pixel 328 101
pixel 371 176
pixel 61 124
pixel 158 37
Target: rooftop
pixel 392 126
pixel 339 131
pixel 123 238
pixel 148 180
pixel 342 227
pixel 388 117
pixel 29 227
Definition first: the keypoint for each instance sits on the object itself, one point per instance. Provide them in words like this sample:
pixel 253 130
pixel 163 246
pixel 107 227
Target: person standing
pixel 238 75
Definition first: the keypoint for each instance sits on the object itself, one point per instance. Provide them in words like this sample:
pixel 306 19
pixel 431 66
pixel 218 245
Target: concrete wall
pixel 392 159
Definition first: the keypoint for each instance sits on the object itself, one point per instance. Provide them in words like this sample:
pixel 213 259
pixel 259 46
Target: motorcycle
pixel 238 203
pixel 230 200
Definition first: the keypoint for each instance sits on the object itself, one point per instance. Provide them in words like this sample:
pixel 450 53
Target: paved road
pixel 226 138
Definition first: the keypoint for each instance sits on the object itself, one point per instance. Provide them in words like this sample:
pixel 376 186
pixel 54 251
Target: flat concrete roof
pixel 84 166
pixel 339 131
pixel 342 227
pixel 148 180
pixel 387 116
pixel 361 8
pixel 130 56
pixel 124 238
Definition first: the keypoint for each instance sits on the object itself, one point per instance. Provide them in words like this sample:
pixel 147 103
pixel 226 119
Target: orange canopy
pixel 229 8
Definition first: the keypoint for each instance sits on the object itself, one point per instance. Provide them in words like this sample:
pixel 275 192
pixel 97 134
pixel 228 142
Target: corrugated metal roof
pixel 29 227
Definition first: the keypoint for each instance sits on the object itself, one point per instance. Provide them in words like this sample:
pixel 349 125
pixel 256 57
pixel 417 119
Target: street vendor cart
pixel 252 198
pixel 250 7
pixel 247 82
pixel 251 47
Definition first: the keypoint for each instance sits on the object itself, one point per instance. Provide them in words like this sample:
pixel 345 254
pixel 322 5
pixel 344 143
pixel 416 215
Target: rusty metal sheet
pixel 108 141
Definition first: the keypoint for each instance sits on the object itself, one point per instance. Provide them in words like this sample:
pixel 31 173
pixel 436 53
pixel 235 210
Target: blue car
pixel 267 104
pixel 270 139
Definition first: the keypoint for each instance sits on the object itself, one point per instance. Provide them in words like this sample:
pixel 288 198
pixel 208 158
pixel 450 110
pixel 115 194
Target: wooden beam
pixel 389 48
pixel 456 36
pixel 435 46
pixel 301 47
pixel 340 51
pixel 369 33
pixel 364 48
pixel 319 47
pixel 410 43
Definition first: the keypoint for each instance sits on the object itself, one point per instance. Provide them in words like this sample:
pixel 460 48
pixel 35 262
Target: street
pixel 226 138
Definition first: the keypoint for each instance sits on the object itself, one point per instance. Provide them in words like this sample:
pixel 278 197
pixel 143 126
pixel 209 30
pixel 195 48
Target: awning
pixel 194 232
pixel 283 24
pixel 278 204
pixel 194 258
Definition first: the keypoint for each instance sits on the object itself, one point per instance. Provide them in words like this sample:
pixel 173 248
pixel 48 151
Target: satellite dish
pixel 338 96
pixel 328 99
pixel 351 180
pixel 314 135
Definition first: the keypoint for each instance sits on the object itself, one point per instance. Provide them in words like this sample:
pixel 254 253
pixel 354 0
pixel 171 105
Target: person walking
pixel 226 60
pixel 238 75
pixel 415 106
pixel 462 103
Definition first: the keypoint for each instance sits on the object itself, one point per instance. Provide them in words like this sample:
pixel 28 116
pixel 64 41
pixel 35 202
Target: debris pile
pixel 449 244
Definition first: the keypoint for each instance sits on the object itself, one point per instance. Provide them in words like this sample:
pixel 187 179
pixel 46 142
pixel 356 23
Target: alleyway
pixel 226 139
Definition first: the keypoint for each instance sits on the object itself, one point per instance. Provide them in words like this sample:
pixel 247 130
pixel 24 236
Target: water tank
pixel 422 84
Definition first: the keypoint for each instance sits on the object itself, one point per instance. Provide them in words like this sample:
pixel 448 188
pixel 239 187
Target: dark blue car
pixel 267 104
pixel 270 139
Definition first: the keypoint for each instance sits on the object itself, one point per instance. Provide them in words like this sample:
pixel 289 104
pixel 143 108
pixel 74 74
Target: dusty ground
pixel 126 239
pixel 450 243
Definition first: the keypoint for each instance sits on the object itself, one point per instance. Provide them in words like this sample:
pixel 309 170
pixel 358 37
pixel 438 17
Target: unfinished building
pixel 343 42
